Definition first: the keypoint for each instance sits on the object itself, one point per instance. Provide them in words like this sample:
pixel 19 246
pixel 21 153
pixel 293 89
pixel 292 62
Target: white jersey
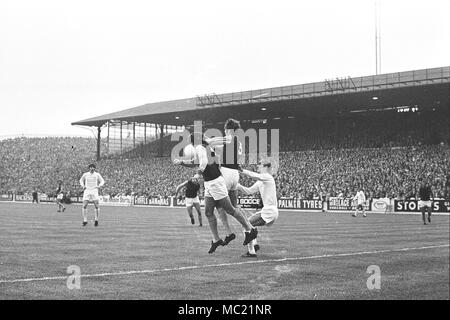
pixel 360 197
pixel 91 181
pixel 265 186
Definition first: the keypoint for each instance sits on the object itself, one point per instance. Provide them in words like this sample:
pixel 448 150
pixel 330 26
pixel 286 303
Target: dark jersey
pixel 425 193
pixel 261 204
pixel 212 170
pixel 231 154
pixel 192 189
pixel 58 191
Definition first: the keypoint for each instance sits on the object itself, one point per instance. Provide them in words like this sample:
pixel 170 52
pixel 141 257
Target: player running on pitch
pixel 216 193
pixel 191 198
pixel 59 198
pixel 360 198
pixel 265 185
pixel 91 181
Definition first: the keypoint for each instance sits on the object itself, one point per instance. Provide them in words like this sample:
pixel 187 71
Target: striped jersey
pixel 91 181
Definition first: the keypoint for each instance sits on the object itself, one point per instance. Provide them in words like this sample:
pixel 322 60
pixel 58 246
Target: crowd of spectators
pixel 336 162
pixel 138 176
pixel 36 164
pixel 381 172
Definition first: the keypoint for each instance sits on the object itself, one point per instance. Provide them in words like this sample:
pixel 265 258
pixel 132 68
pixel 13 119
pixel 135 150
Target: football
pixel 189 151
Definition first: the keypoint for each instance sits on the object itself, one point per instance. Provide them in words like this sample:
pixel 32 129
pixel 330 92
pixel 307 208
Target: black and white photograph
pixel 224 156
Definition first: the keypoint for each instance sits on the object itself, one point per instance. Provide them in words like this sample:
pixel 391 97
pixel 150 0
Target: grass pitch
pixel 155 253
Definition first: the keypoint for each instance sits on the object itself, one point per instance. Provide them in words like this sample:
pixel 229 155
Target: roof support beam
pixel 99 130
pixel 161 144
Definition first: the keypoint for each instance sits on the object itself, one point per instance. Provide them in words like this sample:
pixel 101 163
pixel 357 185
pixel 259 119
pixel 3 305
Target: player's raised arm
pixel 247 191
pixel 179 187
pixel 202 158
pixel 186 163
pixel 218 141
pixel 254 175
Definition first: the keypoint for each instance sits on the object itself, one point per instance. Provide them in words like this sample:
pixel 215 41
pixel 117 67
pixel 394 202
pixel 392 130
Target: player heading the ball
pixel 216 193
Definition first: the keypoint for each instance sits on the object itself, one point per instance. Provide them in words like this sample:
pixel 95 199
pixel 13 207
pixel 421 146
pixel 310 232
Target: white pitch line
pixel 122 273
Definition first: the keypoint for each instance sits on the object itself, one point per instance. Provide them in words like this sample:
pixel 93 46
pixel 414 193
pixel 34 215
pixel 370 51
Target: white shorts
pixel 60 196
pixel 90 195
pixel 216 189
pixel 231 177
pixel 424 204
pixel 190 201
pixel 269 214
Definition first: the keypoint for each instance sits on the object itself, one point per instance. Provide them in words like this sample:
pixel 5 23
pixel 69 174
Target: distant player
pixel 191 198
pixel 35 197
pixel 59 197
pixel 231 151
pixel 425 202
pixel 216 193
pixel 91 181
pixel 265 185
pixel 360 199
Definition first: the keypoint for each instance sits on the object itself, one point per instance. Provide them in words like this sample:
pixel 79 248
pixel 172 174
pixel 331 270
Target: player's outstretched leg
pixel 199 212
pixel 232 194
pixel 223 217
pixel 250 232
pixel 209 212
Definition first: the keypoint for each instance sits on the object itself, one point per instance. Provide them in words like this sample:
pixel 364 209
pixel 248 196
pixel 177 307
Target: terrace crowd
pixel 28 164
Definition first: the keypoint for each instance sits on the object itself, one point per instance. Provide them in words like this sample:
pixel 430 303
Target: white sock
pixel 251 247
pixel 84 212
pixel 96 214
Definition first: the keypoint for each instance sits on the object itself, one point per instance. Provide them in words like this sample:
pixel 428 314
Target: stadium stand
pixel 28 164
